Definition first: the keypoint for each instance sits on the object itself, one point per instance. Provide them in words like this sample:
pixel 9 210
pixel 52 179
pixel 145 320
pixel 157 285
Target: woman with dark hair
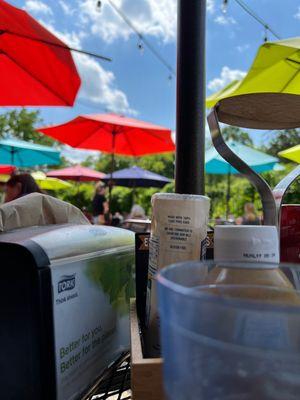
pixel 19 185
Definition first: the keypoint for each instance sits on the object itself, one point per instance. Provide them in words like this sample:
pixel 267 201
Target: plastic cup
pixel 219 346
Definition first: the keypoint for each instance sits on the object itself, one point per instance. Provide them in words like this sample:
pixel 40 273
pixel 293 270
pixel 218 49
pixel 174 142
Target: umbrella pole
pixel 112 168
pixel 190 107
pixel 133 194
pixel 228 194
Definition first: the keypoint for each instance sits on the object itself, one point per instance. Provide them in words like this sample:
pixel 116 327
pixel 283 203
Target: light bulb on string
pixel 98 5
pixel 224 6
pixel 266 34
pixel 140 46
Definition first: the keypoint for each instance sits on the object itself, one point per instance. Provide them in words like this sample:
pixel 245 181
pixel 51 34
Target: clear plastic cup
pixel 217 345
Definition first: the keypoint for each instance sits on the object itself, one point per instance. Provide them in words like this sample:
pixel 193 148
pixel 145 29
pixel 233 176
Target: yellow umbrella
pixel 47 183
pixel 293 153
pixel 4 178
pixel 268 96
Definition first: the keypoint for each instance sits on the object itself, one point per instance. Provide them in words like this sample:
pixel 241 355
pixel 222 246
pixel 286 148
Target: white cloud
pixel 151 17
pixel 210 6
pixel 78 155
pixel 157 18
pixel 225 20
pixel 97 84
pixel 297 15
pixel 66 8
pixel 227 75
pixel 243 47
pixel 38 7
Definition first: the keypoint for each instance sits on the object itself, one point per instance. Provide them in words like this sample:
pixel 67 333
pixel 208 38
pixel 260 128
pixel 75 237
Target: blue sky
pixel 135 83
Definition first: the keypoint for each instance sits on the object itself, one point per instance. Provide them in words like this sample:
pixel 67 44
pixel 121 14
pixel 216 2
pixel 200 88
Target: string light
pixel 98 5
pixel 140 46
pixel 143 42
pixel 248 10
pixel 266 34
pixel 224 6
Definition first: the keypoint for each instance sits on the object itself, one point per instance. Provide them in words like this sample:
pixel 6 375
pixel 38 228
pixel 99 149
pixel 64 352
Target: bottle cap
pixel 246 243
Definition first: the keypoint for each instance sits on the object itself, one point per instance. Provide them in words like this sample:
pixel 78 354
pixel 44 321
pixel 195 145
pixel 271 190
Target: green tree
pixel 80 195
pixel 237 134
pixel 273 177
pixel 162 164
pixel 123 198
pixel 282 140
pixel 22 124
pixel 103 163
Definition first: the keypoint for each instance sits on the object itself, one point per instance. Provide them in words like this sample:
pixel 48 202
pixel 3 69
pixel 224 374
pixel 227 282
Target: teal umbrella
pixel 257 160
pixel 26 154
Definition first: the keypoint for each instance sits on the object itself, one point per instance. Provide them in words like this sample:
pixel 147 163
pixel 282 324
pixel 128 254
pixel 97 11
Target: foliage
pixel 143 197
pixel 123 198
pixel 104 163
pixel 237 134
pixel 21 124
pixel 273 177
pixel 162 164
pixel 282 140
pixel 216 186
pixel 80 195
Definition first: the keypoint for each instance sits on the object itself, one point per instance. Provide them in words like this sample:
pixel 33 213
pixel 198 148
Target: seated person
pixel 137 212
pixel 250 217
pixel 19 185
pixel 117 219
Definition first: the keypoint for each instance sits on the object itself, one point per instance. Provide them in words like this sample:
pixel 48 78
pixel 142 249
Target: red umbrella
pixel 7 169
pixel 36 68
pixel 76 173
pixel 113 134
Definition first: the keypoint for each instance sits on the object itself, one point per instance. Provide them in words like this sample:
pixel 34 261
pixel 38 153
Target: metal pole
pixel 112 168
pixel 190 107
pixel 265 192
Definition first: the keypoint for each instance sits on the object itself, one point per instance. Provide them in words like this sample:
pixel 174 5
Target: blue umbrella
pixel 26 154
pixel 136 177
pixel 257 160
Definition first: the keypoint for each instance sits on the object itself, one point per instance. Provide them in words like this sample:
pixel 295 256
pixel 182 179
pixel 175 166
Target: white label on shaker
pixel 178 232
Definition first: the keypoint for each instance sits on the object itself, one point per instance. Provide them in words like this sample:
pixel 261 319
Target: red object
pixel 290 233
pixel 112 133
pixel 76 173
pixel 36 68
pixel 7 169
